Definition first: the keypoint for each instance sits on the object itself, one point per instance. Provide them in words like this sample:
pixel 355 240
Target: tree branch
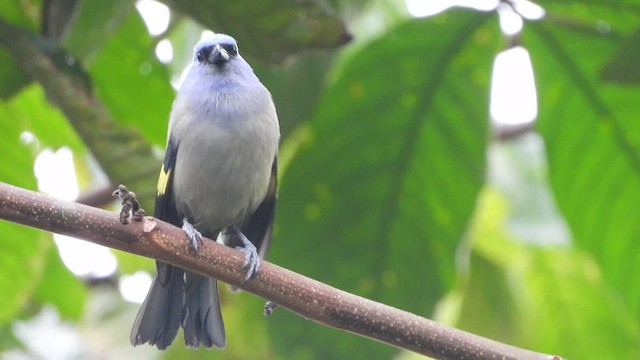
pixel 306 297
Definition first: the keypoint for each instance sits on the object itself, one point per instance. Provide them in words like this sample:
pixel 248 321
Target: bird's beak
pixel 218 55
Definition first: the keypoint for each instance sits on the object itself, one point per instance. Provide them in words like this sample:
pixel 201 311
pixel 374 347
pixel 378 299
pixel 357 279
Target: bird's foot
pixel 251 258
pixel 194 235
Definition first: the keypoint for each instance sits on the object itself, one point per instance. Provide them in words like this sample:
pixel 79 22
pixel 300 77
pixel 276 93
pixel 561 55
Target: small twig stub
pixel 130 205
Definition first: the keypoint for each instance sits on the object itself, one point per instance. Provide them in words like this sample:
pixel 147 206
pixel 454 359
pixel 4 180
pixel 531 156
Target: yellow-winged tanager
pixel 218 180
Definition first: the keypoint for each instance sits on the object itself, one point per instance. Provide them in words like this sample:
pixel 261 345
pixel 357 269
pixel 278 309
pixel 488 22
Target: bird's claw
pixel 194 235
pixel 251 260
pixel 251 257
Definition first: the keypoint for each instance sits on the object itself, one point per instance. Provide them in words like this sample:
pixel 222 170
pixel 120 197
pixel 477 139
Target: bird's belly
pixel 219 183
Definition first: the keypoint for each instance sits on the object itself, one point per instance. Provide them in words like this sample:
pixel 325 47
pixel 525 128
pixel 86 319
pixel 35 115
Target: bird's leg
pixel 194 235
pixel 251 257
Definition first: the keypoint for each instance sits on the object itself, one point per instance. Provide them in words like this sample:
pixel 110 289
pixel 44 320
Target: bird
pixel 218 180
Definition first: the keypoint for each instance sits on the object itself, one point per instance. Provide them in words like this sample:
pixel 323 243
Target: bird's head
pixel 218 50
pixel 217 65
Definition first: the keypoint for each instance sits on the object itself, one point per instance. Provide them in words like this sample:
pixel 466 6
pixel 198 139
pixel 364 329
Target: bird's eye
pixel 200 56
pixel 231 49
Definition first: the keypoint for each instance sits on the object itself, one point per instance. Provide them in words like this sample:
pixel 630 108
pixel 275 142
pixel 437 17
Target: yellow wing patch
pixel 163 181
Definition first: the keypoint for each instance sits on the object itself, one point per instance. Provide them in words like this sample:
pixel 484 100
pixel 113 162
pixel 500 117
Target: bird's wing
pixel 165 203
pixel 165 208
pixel 259 226
pixel 161 313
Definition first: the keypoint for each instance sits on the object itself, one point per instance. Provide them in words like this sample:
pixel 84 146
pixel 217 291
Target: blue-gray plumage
pixel 219 180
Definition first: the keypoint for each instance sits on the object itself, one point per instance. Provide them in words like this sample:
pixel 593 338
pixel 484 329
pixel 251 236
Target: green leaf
pixel 22 250
pixel 246 324
pixel 488 307
pixel 592 136
pixel 296 87
pixel 25 14
pixel 23 253
pixel 611 17
pixel 130 263
pixel 570 310
pixel 622 68
pixel 16 169
pixel 12 78
pixel 33 113
pixel 551 299
pixel 89 32
pixel 61 288
pixel 378 198
pixel 132 83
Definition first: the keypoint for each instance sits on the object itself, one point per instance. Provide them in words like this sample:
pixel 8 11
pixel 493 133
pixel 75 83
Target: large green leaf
pixel 33 113
pixel 295 87
pixel 12 78
pixel 593 140
pixel 569 309
pixel 131 81
pixel 22 250
pixel 377 199
pixel 622 68
pixel 610 17
pixel 547 298
pixel 89 32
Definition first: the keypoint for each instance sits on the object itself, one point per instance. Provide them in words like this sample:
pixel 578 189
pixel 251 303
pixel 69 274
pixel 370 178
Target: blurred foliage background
pixel 396 183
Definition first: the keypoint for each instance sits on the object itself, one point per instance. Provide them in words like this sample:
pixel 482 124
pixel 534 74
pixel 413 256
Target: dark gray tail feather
pixel 161 313
pixel 202 318
pixel 169 305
